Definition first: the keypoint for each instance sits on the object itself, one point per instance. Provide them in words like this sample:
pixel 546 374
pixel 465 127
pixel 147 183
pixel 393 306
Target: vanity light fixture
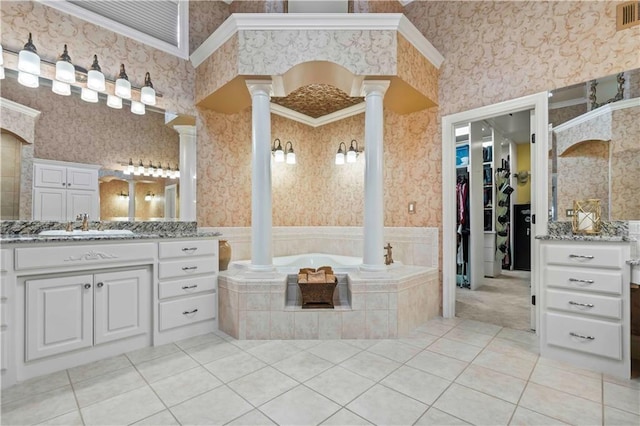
pixel 130 169
pixel 123 87
pixel 148 93
pixel 114 102
pixel 149 196
pixel 140 169
pixel 123 195
pixel 137 107
pixel 65 71
pixel 29 65
pixel 341 153
pixel 277 151
pixel 95 78
pixel 291 156
pixel 177 173
pixel 354 151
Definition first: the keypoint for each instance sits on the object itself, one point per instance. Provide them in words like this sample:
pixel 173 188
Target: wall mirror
pixel 595 146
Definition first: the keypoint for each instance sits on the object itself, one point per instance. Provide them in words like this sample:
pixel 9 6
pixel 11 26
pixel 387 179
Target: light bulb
pixel 351 156
pixel 340 158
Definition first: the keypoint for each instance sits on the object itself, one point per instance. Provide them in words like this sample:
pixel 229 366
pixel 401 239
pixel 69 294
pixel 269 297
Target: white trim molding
pixel 316 21
pixel 14 106
pixel 320 121
pixel 605 109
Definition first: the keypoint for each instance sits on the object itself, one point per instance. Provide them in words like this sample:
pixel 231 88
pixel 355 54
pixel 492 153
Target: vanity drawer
pixel 583 279
pixel 182 268
pixel 85 254
pixel 584 335
pixel 188 248
pixel 588 255
pixel 187 310
pixel 602 306
pixel 186 287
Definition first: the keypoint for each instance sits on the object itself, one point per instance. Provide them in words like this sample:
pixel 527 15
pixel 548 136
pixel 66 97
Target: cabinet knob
pixel 87 286
pixel 100 285
pixel 68 184
pixel 63 184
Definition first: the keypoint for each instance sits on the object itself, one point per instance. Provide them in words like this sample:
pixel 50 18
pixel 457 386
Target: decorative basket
pixel 317 287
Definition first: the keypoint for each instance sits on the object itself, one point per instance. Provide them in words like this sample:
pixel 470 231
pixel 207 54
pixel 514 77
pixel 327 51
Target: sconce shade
pixel 28 59
pixel 149 196
pixel 148 93
pixel 114 102
pixel 89 95
pixel 60 88
pixel 65 71
pixel 95 78
pixel 278 152
pixel 137 107
pixel 291 156
pixel 353 152
pixel 28 80
pixel 340 154
pixel 123 87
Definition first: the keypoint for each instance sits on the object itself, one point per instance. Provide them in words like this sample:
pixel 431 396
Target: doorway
pixel 539 155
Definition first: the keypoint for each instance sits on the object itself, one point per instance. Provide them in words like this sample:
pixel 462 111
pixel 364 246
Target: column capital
pixel 373 86
pixel 260 86
pixel 184 129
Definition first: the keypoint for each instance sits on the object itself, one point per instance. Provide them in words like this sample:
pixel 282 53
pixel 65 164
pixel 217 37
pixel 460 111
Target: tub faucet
pixel 388 257
pixel 85 222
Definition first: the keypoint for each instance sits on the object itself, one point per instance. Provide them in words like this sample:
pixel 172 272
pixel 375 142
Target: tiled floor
pixel 448 372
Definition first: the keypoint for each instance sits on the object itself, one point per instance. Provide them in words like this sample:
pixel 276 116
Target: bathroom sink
pixel 78 232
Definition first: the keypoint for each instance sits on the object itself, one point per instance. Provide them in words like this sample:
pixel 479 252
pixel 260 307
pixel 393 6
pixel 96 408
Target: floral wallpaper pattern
pixel 204 18
pixel 625 164
pixel 596 128
pixel 17 123
pixel 376 6
pixel 258 6
pixel 416 70
pixel 172 77
pixel 557 116
pixel 218 69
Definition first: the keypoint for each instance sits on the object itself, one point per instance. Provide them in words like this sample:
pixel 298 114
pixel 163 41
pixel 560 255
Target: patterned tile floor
pixel 448 372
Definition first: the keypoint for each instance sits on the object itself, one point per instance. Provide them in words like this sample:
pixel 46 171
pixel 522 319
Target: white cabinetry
pixel 585 304
pixel 61 190
pixel 187 296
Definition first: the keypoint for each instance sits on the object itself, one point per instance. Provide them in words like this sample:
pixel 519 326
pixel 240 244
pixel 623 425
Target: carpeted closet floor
pixel 503 301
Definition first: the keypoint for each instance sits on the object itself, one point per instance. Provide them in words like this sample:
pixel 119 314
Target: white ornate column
pixel 187 172
pixel 373 254
pixel 261 214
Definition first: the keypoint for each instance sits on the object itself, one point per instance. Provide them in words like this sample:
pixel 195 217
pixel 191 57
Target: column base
pixel 261 268
pixel 373 268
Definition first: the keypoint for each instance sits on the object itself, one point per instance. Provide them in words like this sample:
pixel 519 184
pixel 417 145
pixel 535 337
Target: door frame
pixel 539 194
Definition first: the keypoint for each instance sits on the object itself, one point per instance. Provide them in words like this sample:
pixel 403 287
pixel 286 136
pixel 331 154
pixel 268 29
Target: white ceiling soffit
pixel 162 24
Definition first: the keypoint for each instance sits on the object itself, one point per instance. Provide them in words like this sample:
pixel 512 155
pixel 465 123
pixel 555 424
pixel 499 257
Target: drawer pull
pixel 580 256
pixel 580 336
pixel 191 249
pixel 586 305
pixel 190 312
pixel 187 287
pixel 578 280
pixel 189 268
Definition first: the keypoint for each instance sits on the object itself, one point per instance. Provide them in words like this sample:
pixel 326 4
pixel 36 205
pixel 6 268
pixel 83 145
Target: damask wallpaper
pixel 204 18
pixel 625 164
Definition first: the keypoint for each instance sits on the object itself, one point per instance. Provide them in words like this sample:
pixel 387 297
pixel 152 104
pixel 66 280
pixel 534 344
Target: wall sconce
pixel 291 156
pixel 123 196
pixel 149 196
pixel 351 154
pixel 123 87
pixel 341 153
pixel 29 65
pixel 279 153
pixel 141 170
pixel 95 78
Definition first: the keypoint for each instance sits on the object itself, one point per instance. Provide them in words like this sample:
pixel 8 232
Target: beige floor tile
pixel 36 385
pixel 302 366
pixel 163 418
pixel 513 349
pixel 622 397
pixel 440 365
pixel 561 405
pixel 435 328
pixel 360 343
pixel 420 340
pixel 568 367
pixel 383 406
pixel 522 336
pixel 615 417
pixel 335 351
pixel 502 363
pixel 525 417
pixel 340 385
pixel 305 344
pixel 159 368
pixel 369 365
pixel 40 407
pixel 152 352
pixel 180 387
pixel 234 367
pixel 480 327
pixel 455 349
pixel 245 345
pixel 468 336
pixel 435 417
pixel 492 383
pixel 125 408
pixel 212 351
pixel 70 419
pixel 417 384
pixel 566 381
pixel 108 385
pixel 273 351
pixel 629 383
pixel 299 406
pixel 198 340
pixel 262 385
pixel 345 417
pixel 253 418
pixel 98 368
pixel 474 407
pixel 394 350
pixel 216 407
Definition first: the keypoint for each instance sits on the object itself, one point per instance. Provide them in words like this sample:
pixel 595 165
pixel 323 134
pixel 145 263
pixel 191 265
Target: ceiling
pixel 317 100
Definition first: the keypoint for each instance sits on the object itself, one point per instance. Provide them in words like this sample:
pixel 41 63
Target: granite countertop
pixel 594 238
pixel 35 238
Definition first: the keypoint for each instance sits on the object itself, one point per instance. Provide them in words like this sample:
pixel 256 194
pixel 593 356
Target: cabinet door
pixel 49 204
pixel 122 301
pixel 79 178
pixel 49 176
pixel 80 202
pixel 59 315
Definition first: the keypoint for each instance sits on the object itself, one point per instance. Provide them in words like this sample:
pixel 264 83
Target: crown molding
pixel 22 109
pixel 316 21
pixel 320 121
pixel 567 103
pixel 605 109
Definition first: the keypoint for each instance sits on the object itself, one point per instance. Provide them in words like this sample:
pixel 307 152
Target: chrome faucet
pixel 388 257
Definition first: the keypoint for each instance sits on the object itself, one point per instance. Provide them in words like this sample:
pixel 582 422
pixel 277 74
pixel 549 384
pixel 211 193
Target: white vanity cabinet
pixel 585 304
pixel 63 190
pixel 79 311
pixel 187 288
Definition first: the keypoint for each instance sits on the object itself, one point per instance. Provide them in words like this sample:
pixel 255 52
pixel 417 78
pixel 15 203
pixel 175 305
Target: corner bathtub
pixel 291 264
